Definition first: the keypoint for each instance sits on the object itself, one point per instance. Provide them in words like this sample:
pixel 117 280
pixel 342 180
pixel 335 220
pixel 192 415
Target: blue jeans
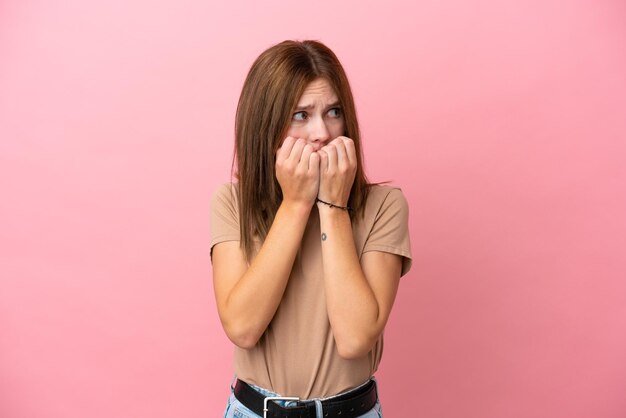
pixel 235 409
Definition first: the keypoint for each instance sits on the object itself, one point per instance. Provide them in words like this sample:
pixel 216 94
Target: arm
pixel 247 297
pixel 359 296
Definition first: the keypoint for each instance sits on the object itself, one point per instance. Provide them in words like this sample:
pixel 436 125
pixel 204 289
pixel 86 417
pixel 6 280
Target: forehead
pixel 318 89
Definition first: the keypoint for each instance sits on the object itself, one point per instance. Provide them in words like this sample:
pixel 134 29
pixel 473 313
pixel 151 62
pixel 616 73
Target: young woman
pixel 306 254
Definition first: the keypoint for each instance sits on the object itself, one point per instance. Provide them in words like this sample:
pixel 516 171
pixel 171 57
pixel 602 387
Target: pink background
pixel 504 122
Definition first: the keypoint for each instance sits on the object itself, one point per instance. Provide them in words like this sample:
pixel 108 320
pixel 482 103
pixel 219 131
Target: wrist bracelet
pixel 317 199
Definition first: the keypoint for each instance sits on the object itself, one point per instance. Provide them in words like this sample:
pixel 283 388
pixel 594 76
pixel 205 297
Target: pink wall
pixel 504 122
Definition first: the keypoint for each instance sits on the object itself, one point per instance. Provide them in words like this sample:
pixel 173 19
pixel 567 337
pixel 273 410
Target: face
pixel 318 117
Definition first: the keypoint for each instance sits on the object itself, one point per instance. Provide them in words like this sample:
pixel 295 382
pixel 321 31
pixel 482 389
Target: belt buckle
pixel 276 398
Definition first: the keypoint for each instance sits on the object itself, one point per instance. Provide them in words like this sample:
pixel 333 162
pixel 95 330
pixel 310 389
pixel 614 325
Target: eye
pixel 299 116
pixel 335 112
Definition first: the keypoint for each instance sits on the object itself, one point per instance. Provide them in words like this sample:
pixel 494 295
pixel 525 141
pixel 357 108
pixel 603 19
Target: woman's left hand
pixel 337 170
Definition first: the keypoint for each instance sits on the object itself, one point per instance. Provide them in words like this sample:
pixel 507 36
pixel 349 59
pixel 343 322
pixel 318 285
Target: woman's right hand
pixel 297 171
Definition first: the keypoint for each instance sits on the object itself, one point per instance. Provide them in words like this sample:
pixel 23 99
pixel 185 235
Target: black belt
pixel 349 405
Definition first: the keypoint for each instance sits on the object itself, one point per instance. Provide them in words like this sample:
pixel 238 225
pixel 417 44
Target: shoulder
pixel 385 223
pixel 225 205
pixel 384 196
pixel 386 206
pixel 225 189
pixel 225 195
pixel 224 214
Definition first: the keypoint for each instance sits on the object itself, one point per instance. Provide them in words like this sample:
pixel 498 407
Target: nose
pixel 319 132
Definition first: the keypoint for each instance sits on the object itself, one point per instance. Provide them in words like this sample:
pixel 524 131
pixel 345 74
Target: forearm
pixel 253 300
pixel 351 304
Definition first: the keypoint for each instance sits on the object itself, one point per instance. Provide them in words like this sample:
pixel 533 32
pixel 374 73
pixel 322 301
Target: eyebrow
pixel 310 106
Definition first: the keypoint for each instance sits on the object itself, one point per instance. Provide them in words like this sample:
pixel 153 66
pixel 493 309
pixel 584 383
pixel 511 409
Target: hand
pixel 337 170
pixel 297 171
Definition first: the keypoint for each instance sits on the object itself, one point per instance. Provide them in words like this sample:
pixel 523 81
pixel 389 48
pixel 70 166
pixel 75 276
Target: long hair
pixel 269 96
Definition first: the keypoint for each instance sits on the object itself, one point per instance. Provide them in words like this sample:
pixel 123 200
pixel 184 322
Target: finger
pixel 314 162
pixel 337 140
pixel 323 160
pixel 297 149
pixel 342 157
pixel 350 150
pixel 306 154
pixel 285 149
pixel 331 151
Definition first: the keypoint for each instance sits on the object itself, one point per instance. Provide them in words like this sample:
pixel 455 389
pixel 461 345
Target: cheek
pixel 296 132
pixel 337 129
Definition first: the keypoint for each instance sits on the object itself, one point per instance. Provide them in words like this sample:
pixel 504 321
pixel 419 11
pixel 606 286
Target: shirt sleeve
pixel 224 215
pixel 390 231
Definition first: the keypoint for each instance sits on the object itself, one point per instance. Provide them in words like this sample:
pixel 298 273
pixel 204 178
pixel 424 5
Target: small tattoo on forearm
pixel 324 236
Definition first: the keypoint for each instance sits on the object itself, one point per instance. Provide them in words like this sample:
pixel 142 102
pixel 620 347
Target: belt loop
pixel 319 411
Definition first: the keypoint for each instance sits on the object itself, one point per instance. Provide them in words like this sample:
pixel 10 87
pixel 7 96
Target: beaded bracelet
pixel 317 199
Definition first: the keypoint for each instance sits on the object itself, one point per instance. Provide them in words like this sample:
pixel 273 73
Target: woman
pixel 306 255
